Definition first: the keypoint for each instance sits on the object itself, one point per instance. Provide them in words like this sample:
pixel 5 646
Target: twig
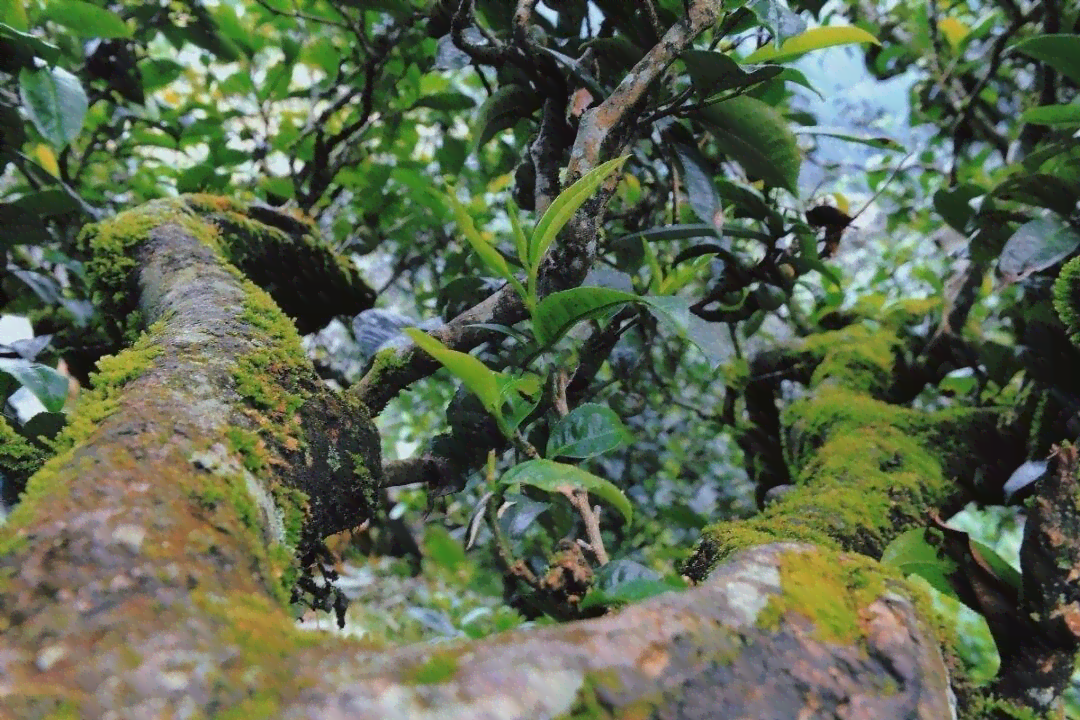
pixel 591 516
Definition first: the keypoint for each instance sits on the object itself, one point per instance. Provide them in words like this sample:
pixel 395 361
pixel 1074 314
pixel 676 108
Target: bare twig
pixel 591 516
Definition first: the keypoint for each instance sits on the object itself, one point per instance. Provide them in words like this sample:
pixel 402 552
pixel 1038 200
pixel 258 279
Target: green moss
pixel 251 449
pixel 19 458
pixel 992 707
pixel 856 358
pixel 111 259
pixel 1067 298
pixel 385 361
pixel 439 667
pixel 114 372
pixel 829 590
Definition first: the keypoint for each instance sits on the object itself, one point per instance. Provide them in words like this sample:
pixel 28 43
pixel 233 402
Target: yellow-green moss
pixel 829 590
pixel 991 707
pixel 109 249
pixel 101 401
pixel 438 667
pixel 1067 298
pixel 19 458
pixel 855 357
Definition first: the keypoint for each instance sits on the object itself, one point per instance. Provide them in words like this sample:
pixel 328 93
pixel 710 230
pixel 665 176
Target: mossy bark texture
pixel 163 534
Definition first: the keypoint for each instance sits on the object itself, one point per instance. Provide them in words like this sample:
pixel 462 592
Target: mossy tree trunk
pixel 147 570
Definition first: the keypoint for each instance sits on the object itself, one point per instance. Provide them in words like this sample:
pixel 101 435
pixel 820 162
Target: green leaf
pixel 999 566
pixel 47 385
pixel 713 72
pixel 550 475
pixel 565 205
pixel 519 394
pixel 502 110
pixel 700 190
pixel 1053 115
pixel 13 14
pixel 954 204
pixel 491 257
pixel 670 232
pixel 778 17
pixel 86 20
pixel 813 39
pixel 31 44
pixel 1061 52
pixel 913 555
pixel 478 378
pixel 559 312
pixel 590 429
pixel 52 201
pixel 675 311
pixel 1040 190
pixel 631 592
pixel 19 226
pixel 1036 245
pixel 880 142
pixel 446 101
pixel 521 243
pixel 756 136
pixel 55 101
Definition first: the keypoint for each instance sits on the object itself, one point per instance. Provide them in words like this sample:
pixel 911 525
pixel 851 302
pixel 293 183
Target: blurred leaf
pixel 699 186
pixel 623 581
pixel 954 205
pixel 1035 246
pixel 446 101
pixel 879 142
pixel 502 110
pixel 44 425
pixel 46 384
pixel 1001 568
pixel 44 286
pixel 813 39
pixel 520 513
pixel 775 15
pixel 52 201
pixel 550 475
pixel 1053 115
pixel 86 20
pixel 589 429
pixel 757 137
pixel 442 549
pixel 1040 190
pixel 1025 475
pixel 713 72
pixel 13 14
pixel 21 227
pixel 913 555
pixel 1060 51
pixel 30 43
pixel 55 101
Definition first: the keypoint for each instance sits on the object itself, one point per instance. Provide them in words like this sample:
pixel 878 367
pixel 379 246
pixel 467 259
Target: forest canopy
pixel 577 358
